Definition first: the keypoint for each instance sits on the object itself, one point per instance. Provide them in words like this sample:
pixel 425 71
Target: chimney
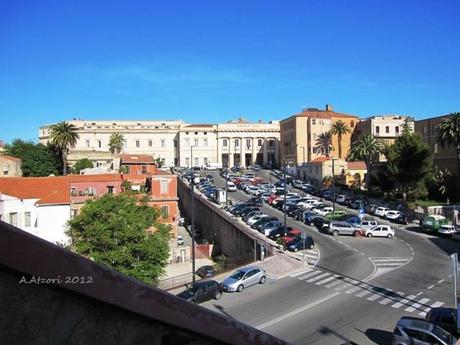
pixel 329 107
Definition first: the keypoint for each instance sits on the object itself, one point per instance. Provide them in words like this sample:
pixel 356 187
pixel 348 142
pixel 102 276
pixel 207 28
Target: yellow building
pixel 10 166
pixel 299 132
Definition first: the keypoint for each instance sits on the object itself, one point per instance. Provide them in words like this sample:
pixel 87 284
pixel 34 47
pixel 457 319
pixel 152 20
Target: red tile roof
pixel 11 158
pixel 49 190
pixel 320 160
pixel 133 159
pixel 359 165
pixel 95 178
pixel 316 113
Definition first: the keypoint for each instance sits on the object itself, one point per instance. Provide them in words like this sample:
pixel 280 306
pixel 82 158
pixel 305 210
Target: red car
pixel 292 235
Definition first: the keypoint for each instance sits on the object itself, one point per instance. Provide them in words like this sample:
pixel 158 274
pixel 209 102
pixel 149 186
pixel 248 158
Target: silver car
pixel 243 278
pixel 343 228
pixel 413 331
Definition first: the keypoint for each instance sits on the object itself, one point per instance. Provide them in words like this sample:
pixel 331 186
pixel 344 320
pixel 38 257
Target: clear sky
pixel 212 61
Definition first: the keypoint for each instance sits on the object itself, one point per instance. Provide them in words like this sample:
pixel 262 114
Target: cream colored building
pixel 10 166
pixel 178 143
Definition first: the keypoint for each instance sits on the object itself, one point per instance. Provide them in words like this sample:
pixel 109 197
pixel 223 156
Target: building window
pixel 195 161
pixel 87 143
pixel 271 143
pixel 224 142
pixel 187 142
pixel 205 161
pixel 187 161
pixel 27 219
pixel 196 133
pixel 237 143
pixel 5 170
pixel 248 143
pixel 435 130
pixel 125 143
pixel 397 129
pixel 205 133
pixel 186 133
pixel 162 143
pixel 144 169
pixel 165 211
pixel 138 143
pixel 150 143
pixel 424 129
pixel 175 143
pixel 205 142
pixel 164 186
pixel 110 189
pixel 435 148
pixel 377 129
pixel 13 218
pixel 313 121
pixel 99 143
pixel 387 129
pixel 259 142
pixel 352 123
pixel 196 142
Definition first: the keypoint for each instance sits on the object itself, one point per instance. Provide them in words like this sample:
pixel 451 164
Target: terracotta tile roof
pixel 11 158
pixel 320 160
pixel 95 178
pixel 49 190
pixel 358 165
pixel 133 159
pixel 316 113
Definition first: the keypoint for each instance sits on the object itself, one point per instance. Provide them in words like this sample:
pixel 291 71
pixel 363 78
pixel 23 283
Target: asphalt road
pixel 357 291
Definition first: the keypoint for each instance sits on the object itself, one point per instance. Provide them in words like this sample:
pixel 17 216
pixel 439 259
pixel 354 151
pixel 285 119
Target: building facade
pixel 178 143
pixel 11 166
pixel 299 133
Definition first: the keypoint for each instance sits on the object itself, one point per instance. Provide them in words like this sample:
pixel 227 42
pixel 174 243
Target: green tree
pixel 340 128
pixel 410 163
pixel 116 142
pixel 449 134
pixel 36 159
pixel 160 162
pixel 323 144
pixel 367 148
pixel 112 231
pixel 64 136
pixel 82 164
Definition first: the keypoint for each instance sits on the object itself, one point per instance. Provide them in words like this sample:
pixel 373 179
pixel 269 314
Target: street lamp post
pixel 270 167
pixel 192 225
pixel 226 185
pixel 284 201
pixel 333 186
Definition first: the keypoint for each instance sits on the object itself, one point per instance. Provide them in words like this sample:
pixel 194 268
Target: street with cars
pixel 375 265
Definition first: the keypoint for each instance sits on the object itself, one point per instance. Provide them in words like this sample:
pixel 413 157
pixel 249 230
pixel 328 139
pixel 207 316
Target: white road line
pixel 390 259
pixel 374 297
pixel 385 301
pixel 441 281
pixel 308 275
pixel 436 304
pixel 321 276
pixel 334 283
pixel 301 273
pixel 430 287
pixel 363 293
pixel 417 305
pixel 297 311
pixel 326 280
pixel 403 301
pixel 383 264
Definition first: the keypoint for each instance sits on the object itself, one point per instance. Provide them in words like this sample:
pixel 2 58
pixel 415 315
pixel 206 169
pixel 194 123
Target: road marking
pixel 390 259
pixel 363 293
pixel 385 301
pixel 417 305
pixel 300 273
pixel 334 283
pixel 321 276
pixel 374 297
pixel 326 280
pixel 311 274
pixel 441 281
pixel 434 305
pixel 430 287
pixel 403 301
pixel 297 311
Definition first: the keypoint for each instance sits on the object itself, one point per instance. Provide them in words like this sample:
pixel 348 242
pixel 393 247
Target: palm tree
pixel 323 144
pixel 64 136
pixel 449 134
pixel 366 148
pixel 116 142
pixel 340 128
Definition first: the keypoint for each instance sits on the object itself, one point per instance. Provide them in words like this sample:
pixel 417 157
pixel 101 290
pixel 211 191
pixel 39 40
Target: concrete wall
pixel 105 307
pixel 230 238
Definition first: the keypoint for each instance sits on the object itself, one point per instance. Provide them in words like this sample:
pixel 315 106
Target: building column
pixel 242 151
pixel 231 162
pixel 265 155
pixel 277 153
pixel 218 149
pixel 254 152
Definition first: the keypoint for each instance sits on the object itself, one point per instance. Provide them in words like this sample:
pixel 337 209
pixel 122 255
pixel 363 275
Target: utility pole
pixel 333 187
pixel 284 202
pixel 192 225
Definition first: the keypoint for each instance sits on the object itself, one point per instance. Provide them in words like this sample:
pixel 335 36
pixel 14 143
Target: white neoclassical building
pixel 178 143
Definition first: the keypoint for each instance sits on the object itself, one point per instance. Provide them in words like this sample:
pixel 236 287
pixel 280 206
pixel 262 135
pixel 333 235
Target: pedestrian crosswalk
pixel 386 264
pixel 310 255
pixel 412 303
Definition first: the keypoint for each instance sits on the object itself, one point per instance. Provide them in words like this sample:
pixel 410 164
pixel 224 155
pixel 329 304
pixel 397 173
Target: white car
pixel 340 198
pixel 253 190
pixel 231 186
pixel 446 230
pixel 256 218
pixel 180 240
pixel 368 224
pixel 308 204
pixel 380 231
pixel 325 211
pixel 381 211
pixel 392 214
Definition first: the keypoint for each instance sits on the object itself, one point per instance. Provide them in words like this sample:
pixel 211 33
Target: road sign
pixel 361 213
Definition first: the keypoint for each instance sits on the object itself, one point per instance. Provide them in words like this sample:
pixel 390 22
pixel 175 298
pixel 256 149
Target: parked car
pixel 231 187
pixel 202 291
pixel 392 215
pixel 256 218
pixel 456 236
pixel 446 318
pixel 244 278
pixel 301 244
pixel 267 228
pixel 292 234
pixel 336 215
pixel 260 223
pixel 320 221
pixel 324 210
pixel 401 219
pixel 180 240
pixel 206 271
pixel 353 220
pixel 340 198
pixel 370 209
pixel 247 210
pixel 343 228
pixel 368 224
pixel 380 231
pixel 432 223
pixel 381 211
pixel 411 330
pixel 251 214
pixel 357 204
pixel 256 201
pixel 446 230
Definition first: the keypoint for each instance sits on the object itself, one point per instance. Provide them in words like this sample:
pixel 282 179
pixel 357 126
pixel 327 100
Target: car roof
pixel 417 323
pixel 250 268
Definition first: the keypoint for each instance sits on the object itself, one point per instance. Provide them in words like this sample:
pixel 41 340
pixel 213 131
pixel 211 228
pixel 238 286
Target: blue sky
pixel 212 61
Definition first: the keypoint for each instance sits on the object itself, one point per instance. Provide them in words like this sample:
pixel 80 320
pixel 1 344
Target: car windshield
pixel 192 289
pixel 238 275
pixel 442 334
